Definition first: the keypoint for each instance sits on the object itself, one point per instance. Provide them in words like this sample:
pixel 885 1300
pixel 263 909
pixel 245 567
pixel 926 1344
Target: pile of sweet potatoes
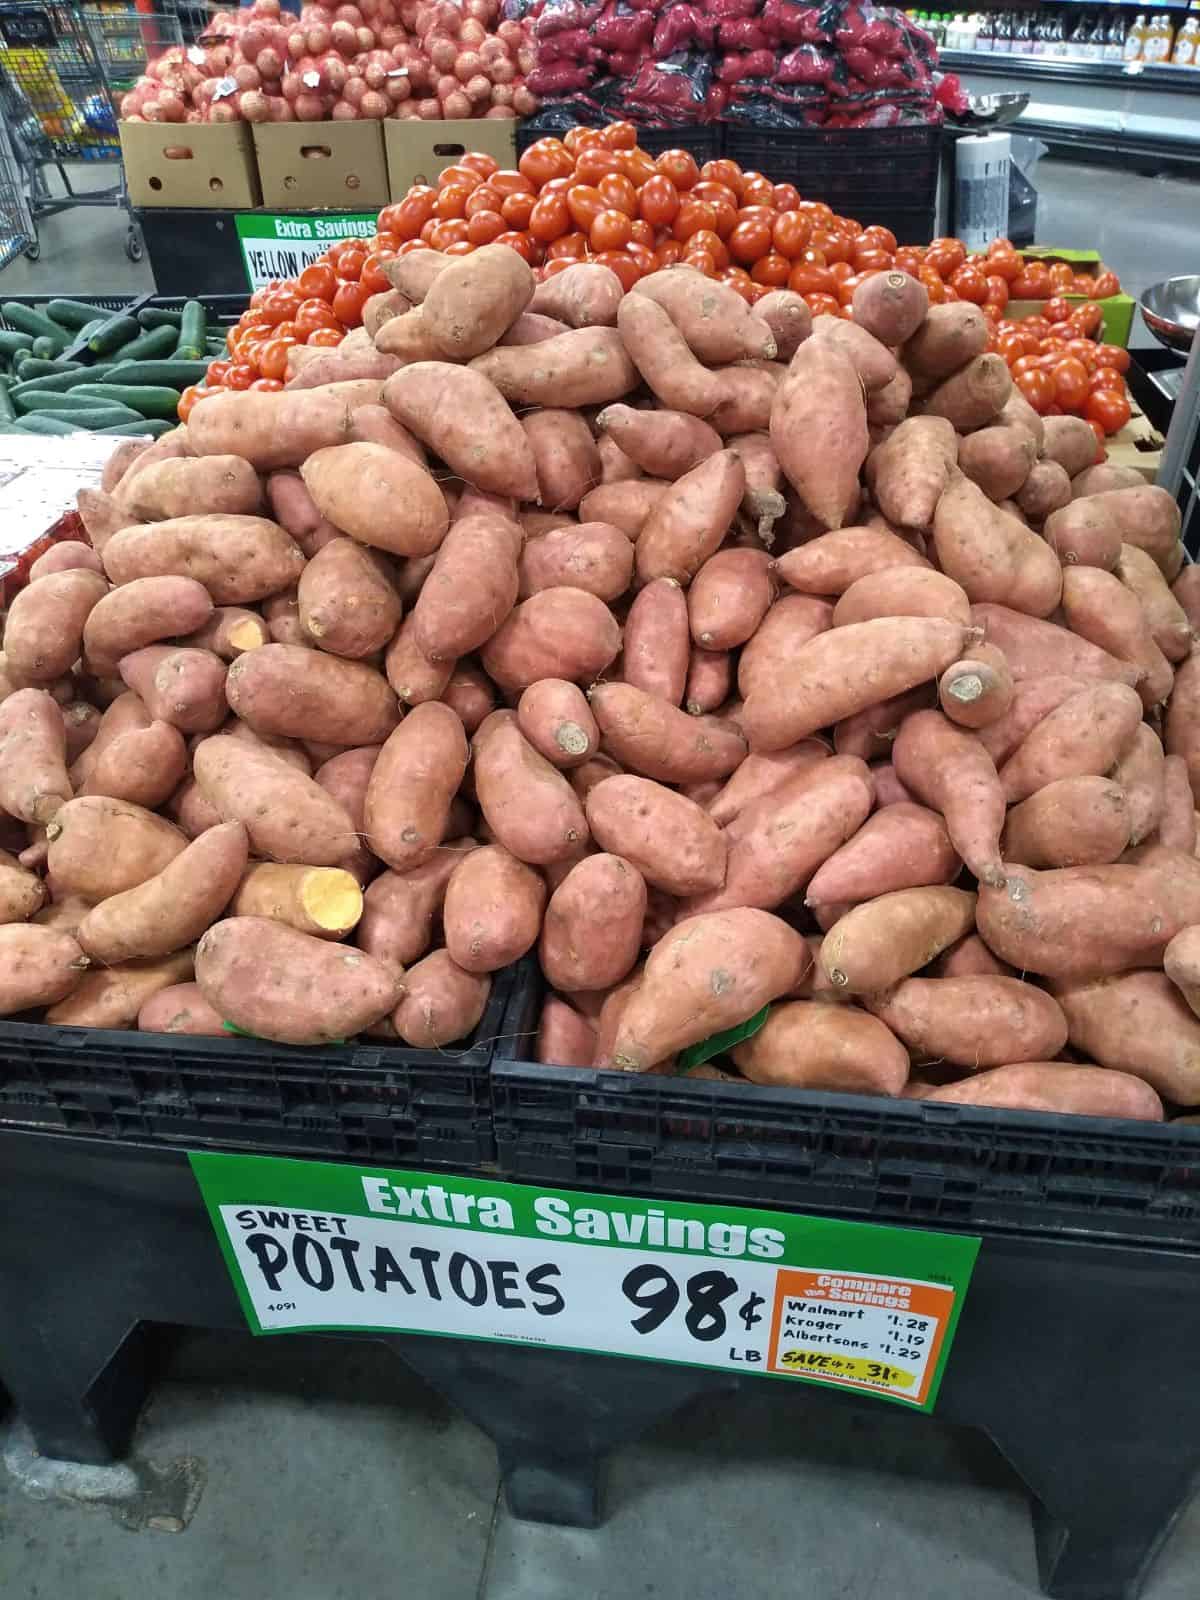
pixel 727 660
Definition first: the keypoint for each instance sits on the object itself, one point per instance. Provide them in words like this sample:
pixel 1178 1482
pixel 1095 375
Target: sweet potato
pixel 946 341
pixel 1181 963
pixel 1104 475
pixel 1139 774
pixel 81 722
pixel 1084 534
pixel 874 362
pixel 763 500
pixel 875 945
pixel 829 564
pixel 565 456
pixel 991 555
pixel 807 1044
pixel 977 689
pixel 142 765
pixel 414 274
pixel 378 497
pixel 789 319
pixel 101 517
pixel 470 694
pixel 838 673
pixel 910 470
pixel 100 847
pixel 381 308
pixel 585 295
pixel 557 633
pixel 277 430
pixel 22 893
pixel 709 973
pixel 615 465
pixel 709 681
pixel 583 367
pixel 44 631
pixel 277 983
pixel 1056 1087
pixel 285 691
pixel 654 738
pixel 1148 518
pixel 778 841
pixel 999 459
pixel 288 816
pixel 347 600
pixel 181 1008
pixel 295 510
pixel 592 931
pixel 1177 824
pixel 470 305
pixel 326 902
pixel 728 598
pixel 664 360
pixel 1085 735
pixel 67 555
pixel 33 748
pixel 493 909
pixel 948 768
pixel 1137 1022
pixel 1186 590
pixel 902 592
pixel 1099 607
pixel 191 485
pixel 666 444
pixel 412 675
pixel 237 559
pixel 715 321
pixel 819 431
pixel 336 366
pixel 181 686
pixel 758 775
pixel 414 780
pixel 556 719
pixel 1181 734
pixel 1167 620
pixel 564 1038
pixel 1034 648
pixel 121 461
pixel 626 504
pixel 377 425
pixel 112 997
pixel 400 908
pixel 140 613
pixel 656 650
pixel 1087 922
pixel 891 306
pixel 441 1002
pixel 1046 489
pixel 904 846
pixel 973 1022
pixel 1065 441
pixel 747 396
pixel 172 908
pixel 587 555
pixel 470 590
pixel 190 808
pixel 1073 822
pixel 870 733
pixel 38 966
pixel 969 957
pixel 667 837
pixel 462 417
pixel 691 518
pixel 529 806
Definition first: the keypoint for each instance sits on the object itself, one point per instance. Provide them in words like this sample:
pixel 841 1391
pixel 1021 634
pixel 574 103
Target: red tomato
pixel 1110 409
pixel 577 139
pixel 457 174
pixel 1036 327
pixel 461 247
pixel 267 385
pixel 1112 355
pixel 445 234
pixel 1104 285
pixel 1055 310
pixel 790 234
pixel 389 219
pixel 642 256
pixel 217 372
pixel 452 201
pixel 658 201
pixel 326 338
pixel 945 256
pixel 549 218
pixel 835 246
pixel 847 286
pixel 1028 285
pixel 546 159
pixel 638 166
pixel 1006 265
pixel 935 287
pixel 879 238
pixel 625 267
pixel 808 280
pixel 476 161
pixel 642 233
pixel 313 314
pixel 822 305
pixel 415 210
pixel 571 247
pixel 680 166
pixel 371 277
pixel 968 284
pixel 1070 383
pixel 272 358
pixel 594 162
pixel 749 241
pixel 785 197
pixel 192 395
pixel 1087 318
pixel 1062 278
pixel 610 230
pixel 723 171
pixel 507 182
pixel 997 291
pixel 516 209
pixel 318 281
pixel 485 198
pixel 1101 451
pixel 523 243
pixel 619 136
pixel 668 253
pixel 1037 387
pixel 241 375
pixel 585 204
pixel 693 216
pixel 701 260
pixel 348 305
pixel 758 191
pixel 485 227
pixel 868 260
pixel 619 194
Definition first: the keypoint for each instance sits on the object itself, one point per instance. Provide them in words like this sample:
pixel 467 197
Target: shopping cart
pixel 63 69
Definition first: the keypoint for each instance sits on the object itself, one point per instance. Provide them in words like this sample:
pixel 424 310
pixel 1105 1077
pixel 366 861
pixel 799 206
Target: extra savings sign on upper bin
pixel 322 1246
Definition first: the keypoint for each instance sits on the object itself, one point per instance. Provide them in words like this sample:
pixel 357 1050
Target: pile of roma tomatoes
pixel 595 195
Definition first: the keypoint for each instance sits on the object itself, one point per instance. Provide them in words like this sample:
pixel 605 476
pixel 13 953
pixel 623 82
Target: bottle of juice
pixel 1186 44
pixel 1135 39
pixel 1159 40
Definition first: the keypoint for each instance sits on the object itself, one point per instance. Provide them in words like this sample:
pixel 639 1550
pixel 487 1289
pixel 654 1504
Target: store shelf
pixel 1059 69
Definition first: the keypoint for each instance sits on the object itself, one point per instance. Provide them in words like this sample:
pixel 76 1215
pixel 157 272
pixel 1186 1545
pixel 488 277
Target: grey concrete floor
pixel 326 1471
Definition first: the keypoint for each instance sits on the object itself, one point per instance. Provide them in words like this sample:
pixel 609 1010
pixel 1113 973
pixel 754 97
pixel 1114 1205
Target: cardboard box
pixel 418 151
pixel 209 165
pixel 312 166
pixel 1137 445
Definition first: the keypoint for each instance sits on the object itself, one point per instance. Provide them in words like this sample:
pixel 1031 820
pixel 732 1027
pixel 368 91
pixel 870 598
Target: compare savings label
pixel 276 247
pixel 321 1246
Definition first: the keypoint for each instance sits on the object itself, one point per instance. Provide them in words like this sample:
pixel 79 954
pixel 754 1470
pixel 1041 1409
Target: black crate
pixel 191 248
pixel 902 1161
pixel 379 1102
pixel 887 176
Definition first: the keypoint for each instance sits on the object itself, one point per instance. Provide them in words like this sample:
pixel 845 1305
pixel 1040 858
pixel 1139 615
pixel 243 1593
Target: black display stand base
pixel 1076 1358
pixel 186 248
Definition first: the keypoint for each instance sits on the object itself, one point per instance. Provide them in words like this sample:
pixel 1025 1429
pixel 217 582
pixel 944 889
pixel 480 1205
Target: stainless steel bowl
pixel 993 110
pixel 1171 310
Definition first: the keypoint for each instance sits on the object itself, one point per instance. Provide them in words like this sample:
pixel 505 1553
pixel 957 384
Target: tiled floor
pixel 305 1490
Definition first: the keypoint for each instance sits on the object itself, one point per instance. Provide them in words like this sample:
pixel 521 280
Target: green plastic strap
pixel 718 1043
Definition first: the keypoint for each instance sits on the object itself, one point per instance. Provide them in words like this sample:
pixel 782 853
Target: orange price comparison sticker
pixel 857 1331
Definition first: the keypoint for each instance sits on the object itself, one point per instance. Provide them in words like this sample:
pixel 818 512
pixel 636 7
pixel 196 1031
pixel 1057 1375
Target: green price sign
pixel 276 247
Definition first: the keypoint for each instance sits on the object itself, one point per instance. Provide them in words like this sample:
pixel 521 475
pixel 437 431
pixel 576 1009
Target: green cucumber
pixel 155 427
pixel 114 333
pixel 13 341
pixel 89 418
pixel 174 374
pixel 59 382
pixel 93 326
pixel 154 317
pixel 149 400
pixel 35 367
pixel 42 422
pixel 45 349
pixel 149 346
pixel 7 414
pixel 73 314
pixel 58 400
pixel 192 327
pixel 32 322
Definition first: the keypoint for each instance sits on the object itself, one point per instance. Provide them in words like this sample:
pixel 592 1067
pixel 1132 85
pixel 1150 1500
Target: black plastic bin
pixel 887 176
pixel 372 1102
